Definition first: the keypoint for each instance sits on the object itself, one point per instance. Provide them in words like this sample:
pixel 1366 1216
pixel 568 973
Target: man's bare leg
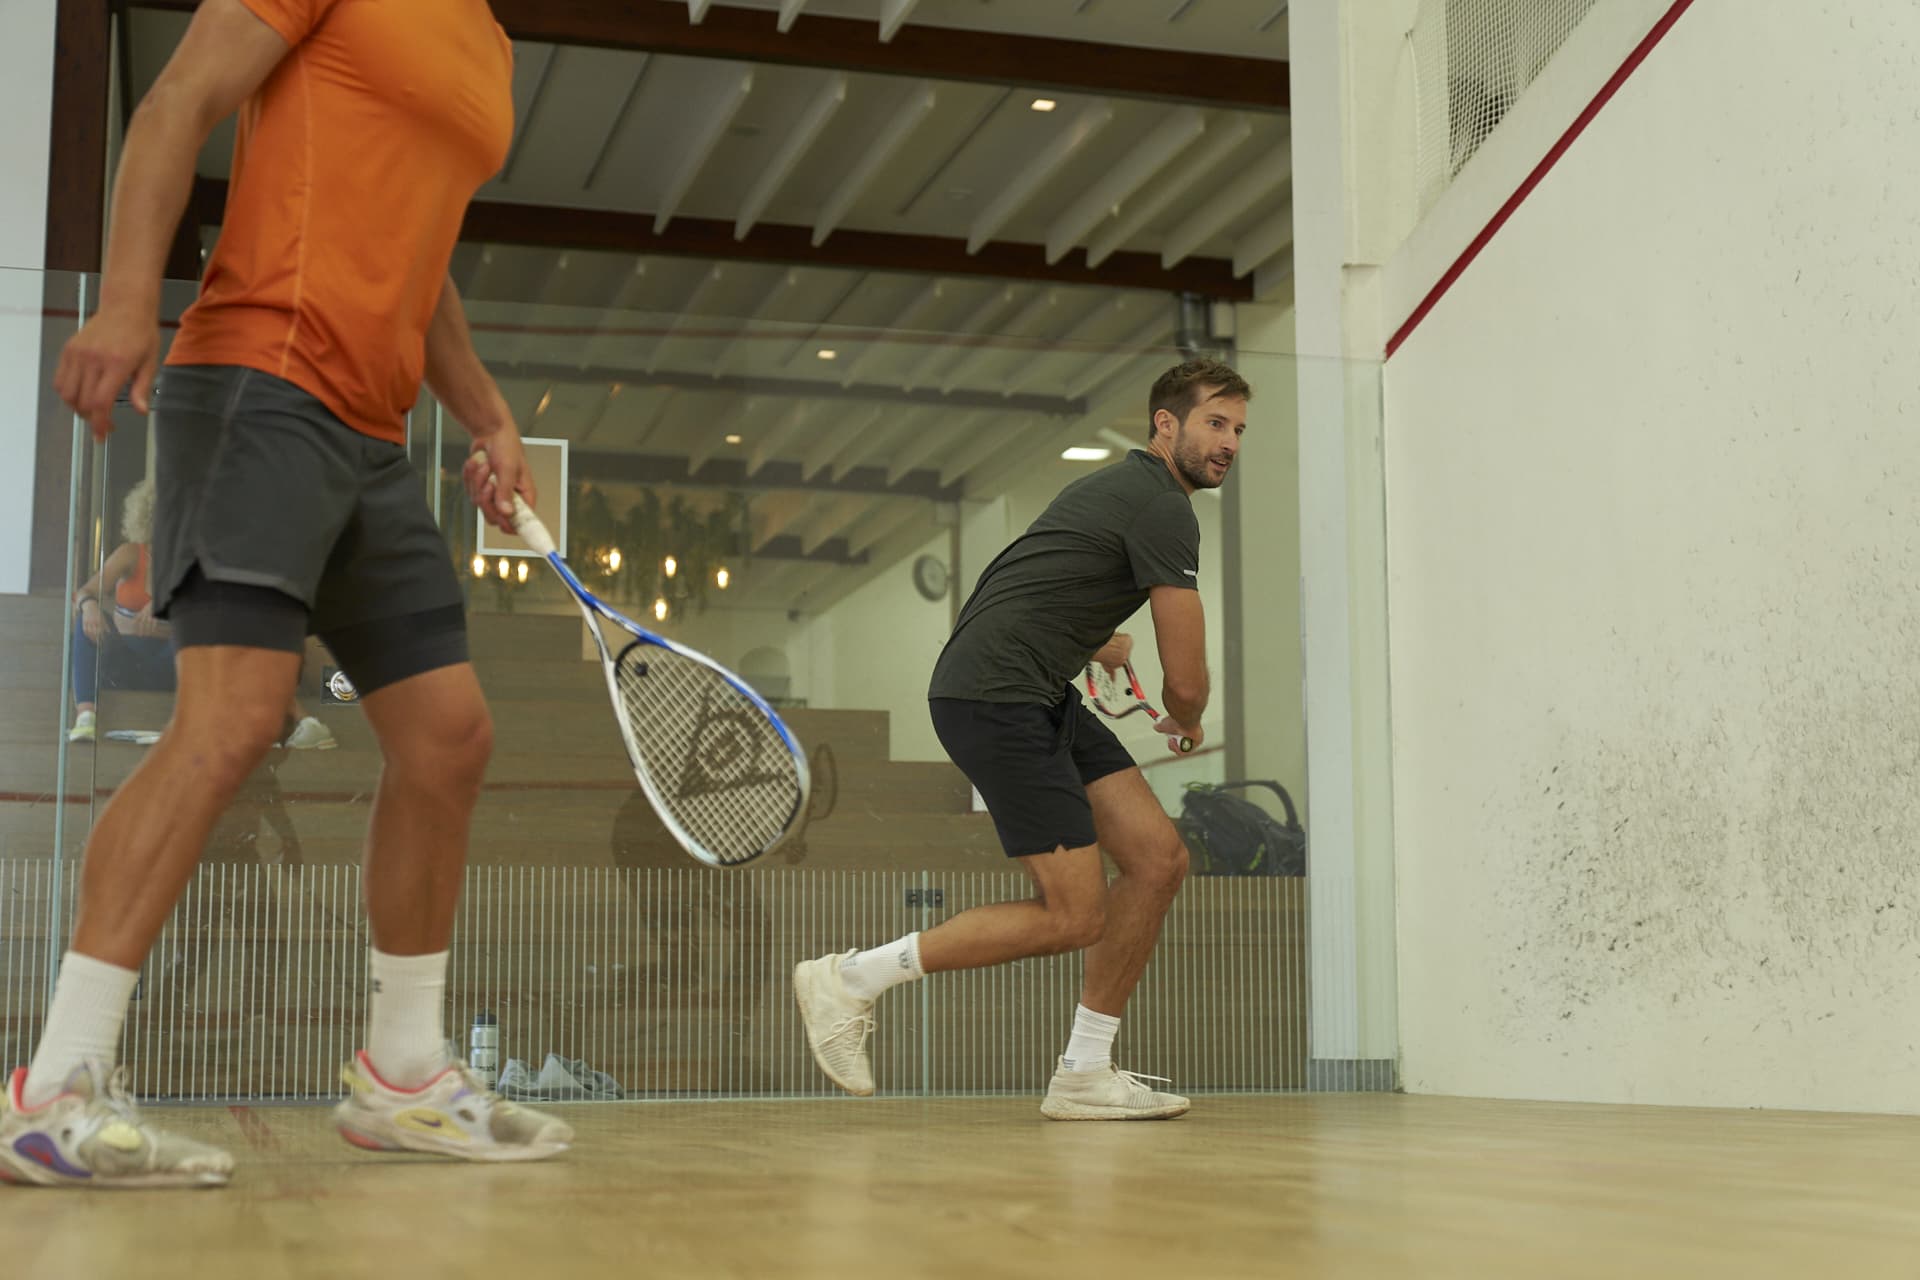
pixel 139 858
pixel 436 736
pixel 1067 912
pixel 1136 832
pixel 148 839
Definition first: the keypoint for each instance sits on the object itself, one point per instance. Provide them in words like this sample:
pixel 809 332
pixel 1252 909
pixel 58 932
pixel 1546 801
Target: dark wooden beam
pixel 835 551
pixel 794 388
pixel 613 467
pixel 935 53
pixel 77 160
pixel 557 227
pixel 76 218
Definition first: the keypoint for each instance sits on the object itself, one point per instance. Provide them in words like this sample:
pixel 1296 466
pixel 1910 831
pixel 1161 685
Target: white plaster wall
pixel 26 104
pixel 1653 551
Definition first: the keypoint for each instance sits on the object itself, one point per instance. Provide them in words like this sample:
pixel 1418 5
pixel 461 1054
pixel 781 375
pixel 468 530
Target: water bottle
pixel 483 1054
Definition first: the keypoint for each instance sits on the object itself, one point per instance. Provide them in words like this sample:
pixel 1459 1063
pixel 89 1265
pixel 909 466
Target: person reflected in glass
pixel 123 646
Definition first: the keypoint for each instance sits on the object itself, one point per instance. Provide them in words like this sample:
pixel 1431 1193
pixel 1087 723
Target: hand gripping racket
pixel 727 777
pixel 1117 695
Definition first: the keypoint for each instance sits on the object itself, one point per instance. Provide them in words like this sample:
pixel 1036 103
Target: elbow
pixel 1189 691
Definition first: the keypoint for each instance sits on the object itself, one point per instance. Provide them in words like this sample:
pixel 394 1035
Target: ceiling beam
pixel 930 441
pixel 977 321
pixel 793 388
pixel 881 522
pixel 558 227
pixel 775 437
pixel 1223 209
pixel 1043 168
pixel 935 53
pixel 831 520
pixel 1149 156
pixel 907 319
pixel 899 127
pixel 826 104
pixel 1220 142
pixel 1263 242
pixel 893 16
pixel 615 467
pixel 834 551
pixel 704 138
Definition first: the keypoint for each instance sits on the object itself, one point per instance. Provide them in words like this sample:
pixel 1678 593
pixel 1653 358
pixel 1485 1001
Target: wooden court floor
pixel 1324 1186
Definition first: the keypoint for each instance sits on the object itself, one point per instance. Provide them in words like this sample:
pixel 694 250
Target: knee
pixel 1170 868
pixel 1079 925
pixel 228 746
pixel 451 751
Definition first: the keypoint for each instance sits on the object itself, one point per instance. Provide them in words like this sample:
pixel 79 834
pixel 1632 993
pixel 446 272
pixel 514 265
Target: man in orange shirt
pixel 286 507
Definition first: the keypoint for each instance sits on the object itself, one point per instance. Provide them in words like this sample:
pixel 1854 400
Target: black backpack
pixel 1230 835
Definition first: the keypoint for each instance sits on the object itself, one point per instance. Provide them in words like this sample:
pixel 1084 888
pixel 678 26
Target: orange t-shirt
pixel 130 595
pixel 352 169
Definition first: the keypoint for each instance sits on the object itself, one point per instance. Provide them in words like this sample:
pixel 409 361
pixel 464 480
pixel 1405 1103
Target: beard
pixel 1190 458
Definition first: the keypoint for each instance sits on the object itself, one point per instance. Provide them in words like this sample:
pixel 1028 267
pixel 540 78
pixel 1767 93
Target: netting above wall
pixel 1472 61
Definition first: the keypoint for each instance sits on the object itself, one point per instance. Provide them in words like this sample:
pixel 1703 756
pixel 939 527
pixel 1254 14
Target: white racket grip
pixel 531 530
pixel 525 523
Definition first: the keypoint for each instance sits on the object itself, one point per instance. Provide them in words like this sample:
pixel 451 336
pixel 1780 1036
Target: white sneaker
pixel 1108 1094
pixel 82 730
pixel 838 1023
pixel 453 1114
pixel 311 735
pixel 92 1136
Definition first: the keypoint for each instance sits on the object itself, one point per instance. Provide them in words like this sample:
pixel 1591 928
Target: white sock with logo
pixel 406 1030
pixel 1090 1047
pixel 868 973
pixel 89 1008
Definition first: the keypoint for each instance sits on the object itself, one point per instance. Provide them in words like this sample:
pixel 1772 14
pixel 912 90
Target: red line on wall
pixel 1540 171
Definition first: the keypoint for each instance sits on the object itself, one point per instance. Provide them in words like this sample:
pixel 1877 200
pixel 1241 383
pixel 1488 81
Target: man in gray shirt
pixel 1061 788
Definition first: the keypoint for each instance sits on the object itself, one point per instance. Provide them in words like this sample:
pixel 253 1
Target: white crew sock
pixel 406 1036
pixel 1090 1047
pixel 868 973
pixel 89 1008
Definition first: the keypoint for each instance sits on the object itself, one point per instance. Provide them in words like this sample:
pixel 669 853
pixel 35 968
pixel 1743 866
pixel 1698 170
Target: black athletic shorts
pixel 1031 764
pixel 273 520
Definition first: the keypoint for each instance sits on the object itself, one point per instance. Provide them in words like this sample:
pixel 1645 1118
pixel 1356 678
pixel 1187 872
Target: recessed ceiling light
pixel 1044 104
pixel 733 439
pixel 828 353
pixel 1086 453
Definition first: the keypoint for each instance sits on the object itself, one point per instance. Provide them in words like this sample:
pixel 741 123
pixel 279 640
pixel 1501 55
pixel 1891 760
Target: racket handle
pixel 1186 744
pixel 528 525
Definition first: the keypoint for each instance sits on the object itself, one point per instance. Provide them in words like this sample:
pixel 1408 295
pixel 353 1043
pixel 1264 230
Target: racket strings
pixel 722 771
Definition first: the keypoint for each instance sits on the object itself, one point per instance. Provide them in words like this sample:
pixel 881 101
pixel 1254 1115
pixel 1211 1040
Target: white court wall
pixel 26 104
pixel 1653 554
pixel 874 651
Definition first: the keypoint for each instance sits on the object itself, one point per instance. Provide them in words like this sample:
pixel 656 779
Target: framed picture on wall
pixel 547 459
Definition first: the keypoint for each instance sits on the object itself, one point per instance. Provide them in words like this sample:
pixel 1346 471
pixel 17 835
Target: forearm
pixel 1185 701
pixel 150 193
pixel 454 372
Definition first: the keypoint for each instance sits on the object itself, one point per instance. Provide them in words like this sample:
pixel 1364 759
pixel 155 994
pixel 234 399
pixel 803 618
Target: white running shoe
pixel 311 735
pixel 83 728
pixel 453 1114
pixel 1108 1094
pixel 91 1136
pixel 838 1023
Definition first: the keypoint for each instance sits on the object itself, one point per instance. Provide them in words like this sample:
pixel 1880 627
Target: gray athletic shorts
pixel 268 507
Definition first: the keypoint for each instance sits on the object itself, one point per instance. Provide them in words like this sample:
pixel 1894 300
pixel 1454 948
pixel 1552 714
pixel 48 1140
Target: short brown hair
pixel 1178 390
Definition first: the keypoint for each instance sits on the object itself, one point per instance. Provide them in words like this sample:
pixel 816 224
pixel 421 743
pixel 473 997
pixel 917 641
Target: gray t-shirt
pixel 1061 589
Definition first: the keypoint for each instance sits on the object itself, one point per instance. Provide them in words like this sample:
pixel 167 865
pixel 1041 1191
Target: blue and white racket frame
pixel 534 533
